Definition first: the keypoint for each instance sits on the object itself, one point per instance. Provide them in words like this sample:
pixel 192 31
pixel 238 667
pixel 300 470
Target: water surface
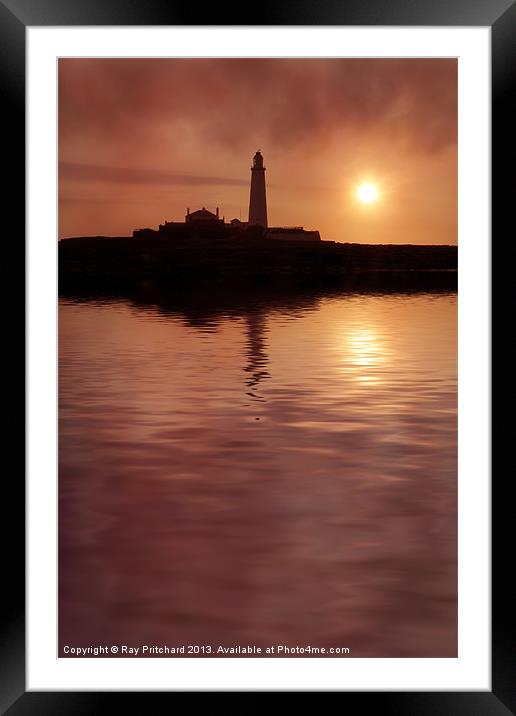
pixel 279 472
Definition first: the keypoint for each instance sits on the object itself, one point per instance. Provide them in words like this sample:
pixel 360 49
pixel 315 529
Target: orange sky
pixel 140 140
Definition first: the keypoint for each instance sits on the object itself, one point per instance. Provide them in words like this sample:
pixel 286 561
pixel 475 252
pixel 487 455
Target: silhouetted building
pixel 144 233
pixel 198 222
pixel 292 233
pixel 238 224
pixel 203 216
pixel 257 199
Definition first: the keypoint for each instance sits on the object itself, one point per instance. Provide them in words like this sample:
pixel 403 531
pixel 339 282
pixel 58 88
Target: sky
pixel 141 140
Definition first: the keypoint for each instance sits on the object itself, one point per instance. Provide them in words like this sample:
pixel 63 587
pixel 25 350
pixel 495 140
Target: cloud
pixel 291 104
pixel 126 175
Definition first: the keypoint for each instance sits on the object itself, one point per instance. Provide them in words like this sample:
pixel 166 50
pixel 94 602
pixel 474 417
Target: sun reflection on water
pixel 365 355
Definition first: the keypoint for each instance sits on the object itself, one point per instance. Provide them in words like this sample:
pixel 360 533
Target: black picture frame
pixel 500 16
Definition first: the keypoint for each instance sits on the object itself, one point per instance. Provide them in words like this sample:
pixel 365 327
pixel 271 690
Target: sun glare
pixel 367 193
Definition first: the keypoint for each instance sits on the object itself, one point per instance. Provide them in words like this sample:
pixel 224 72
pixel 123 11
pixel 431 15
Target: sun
pixel 367 193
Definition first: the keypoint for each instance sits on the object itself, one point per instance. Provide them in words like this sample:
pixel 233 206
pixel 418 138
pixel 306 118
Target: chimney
pixel 217 212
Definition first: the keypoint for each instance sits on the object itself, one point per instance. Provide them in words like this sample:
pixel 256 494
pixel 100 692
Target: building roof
pixel 202 214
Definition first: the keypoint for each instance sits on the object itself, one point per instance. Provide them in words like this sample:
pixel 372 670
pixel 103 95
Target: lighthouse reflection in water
pixel 270 473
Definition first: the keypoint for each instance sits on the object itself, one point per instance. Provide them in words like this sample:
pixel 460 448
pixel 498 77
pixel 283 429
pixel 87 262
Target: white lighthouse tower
pixel 258 200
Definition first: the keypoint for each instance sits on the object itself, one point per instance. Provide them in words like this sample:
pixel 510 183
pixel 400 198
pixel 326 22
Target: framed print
pixel 258 260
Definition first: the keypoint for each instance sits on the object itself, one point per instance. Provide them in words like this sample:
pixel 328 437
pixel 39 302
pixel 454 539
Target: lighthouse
pixel 257 200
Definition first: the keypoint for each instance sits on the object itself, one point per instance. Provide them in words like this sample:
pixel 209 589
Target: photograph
pixel 257 357
pixel 259 252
